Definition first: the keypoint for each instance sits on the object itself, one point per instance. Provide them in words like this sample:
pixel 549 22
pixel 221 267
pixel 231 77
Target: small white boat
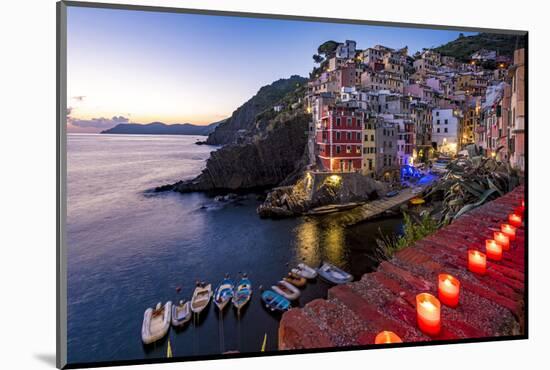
pixel 201 297
pixel 224 293
pixel 243 292
pixel 181 313
pixel 287 290
pixel 156 322
pixel 333 274
pixel 305 271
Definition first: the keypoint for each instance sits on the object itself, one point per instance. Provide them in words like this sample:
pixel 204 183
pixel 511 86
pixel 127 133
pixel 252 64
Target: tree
pixel 318 58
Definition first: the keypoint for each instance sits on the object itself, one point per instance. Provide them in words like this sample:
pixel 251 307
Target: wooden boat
pixel 201 297
pixel 243 292
pixel 224 293
pixel 156 322
pixel 333 274
pixel 392 193
pixel 331 208
pixel 287 290
pixel 274 301
pixel 181 313
pixel 295 279
pixel 305 271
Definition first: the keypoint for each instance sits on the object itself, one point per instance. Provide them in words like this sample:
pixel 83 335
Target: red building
pixel 339 139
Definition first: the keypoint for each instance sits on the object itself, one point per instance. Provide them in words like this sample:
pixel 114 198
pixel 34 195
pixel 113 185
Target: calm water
pixel 129 249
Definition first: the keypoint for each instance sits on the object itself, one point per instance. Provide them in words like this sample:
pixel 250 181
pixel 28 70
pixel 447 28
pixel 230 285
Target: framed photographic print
pixel 234 184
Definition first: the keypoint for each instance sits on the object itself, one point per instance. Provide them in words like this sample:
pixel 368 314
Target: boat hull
pixel 154 327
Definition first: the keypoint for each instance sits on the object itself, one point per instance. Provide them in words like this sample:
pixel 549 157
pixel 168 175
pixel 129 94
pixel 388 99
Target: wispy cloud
pixel 79 98
pixel 99 123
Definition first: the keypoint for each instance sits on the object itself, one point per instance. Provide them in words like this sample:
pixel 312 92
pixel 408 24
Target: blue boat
pixel 242 293
pixel 275 302
pixel 392 193
pixel 224 292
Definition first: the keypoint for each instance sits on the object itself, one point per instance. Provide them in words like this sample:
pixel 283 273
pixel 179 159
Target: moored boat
pixel 243 292
pixel 224 293
pixel 274 301
pixel 295 279
pixel 287 290
pixel 305 271
pixel 181 313
pixel 156 322
pixel 201 297
pixel 333 274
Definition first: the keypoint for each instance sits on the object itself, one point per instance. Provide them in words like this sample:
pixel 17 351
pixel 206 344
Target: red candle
pixel 502 239
pixel 493 250
pixel 477 262
pixel 514 219
pixel 509 231
pixel 387 337
pixel 428 314
pixel 449 290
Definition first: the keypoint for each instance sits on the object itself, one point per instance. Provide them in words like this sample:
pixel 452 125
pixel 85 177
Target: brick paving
pixel 490 305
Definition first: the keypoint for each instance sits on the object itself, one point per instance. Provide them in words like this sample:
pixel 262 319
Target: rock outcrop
pixel 317 190
pixel 263 161
pixel 244 118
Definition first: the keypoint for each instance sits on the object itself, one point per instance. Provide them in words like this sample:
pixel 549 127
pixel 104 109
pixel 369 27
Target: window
pixel 366 137
pixel 358 149
pixel 446 130
pixel 349 122
pixel 365 150
pixel 446 121
pixel 438 130
pixel 337 149
pixel 438 122
pixel 437 114
pixel 359 136
pixel 338 121
pixel 348 135
pixel 390 144
pixel 370 164
pixel 372 137
pixel 348 149
pixel 337 135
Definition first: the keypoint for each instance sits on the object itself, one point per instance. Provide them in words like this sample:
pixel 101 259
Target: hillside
pixel 244 118
pixel 463 47
pixel 159 128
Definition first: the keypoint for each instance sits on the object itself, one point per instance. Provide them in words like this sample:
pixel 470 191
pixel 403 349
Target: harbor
pixel 116 253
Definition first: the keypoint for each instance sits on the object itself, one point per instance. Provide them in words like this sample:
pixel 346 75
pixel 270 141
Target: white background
pixel 27 181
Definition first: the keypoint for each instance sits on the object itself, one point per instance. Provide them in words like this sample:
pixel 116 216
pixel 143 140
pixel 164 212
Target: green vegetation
pixel 464 46
pixel 468 184
pixel 416 228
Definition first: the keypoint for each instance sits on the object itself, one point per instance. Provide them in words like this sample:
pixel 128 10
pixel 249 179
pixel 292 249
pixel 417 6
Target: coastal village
pixel 429 135
pixel 379 109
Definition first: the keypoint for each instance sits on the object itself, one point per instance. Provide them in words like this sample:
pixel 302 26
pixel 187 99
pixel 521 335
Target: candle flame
pixel 428 305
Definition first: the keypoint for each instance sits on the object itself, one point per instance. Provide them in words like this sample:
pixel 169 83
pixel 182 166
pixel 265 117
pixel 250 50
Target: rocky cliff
pixel 264 160
pixel 244 118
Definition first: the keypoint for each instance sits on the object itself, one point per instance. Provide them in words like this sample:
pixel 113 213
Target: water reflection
pixel 318 240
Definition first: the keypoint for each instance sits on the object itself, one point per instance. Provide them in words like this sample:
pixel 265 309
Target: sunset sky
pixel 136 66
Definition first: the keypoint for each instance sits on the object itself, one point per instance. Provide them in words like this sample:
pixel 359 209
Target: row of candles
pixel 428 307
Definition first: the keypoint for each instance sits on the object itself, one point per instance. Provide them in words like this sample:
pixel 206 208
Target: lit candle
pixel 502 239
pixel 428 314
pixel 509 231
pixel 514 219
pixel 387 337
pixel 519 211
pixel 477 262
pixel 493 250
pixel 449 290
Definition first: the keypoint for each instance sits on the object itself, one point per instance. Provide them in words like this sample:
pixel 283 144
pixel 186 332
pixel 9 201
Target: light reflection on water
pixel 128 249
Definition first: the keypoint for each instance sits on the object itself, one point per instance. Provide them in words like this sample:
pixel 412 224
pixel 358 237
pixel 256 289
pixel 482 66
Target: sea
pixel 129 248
